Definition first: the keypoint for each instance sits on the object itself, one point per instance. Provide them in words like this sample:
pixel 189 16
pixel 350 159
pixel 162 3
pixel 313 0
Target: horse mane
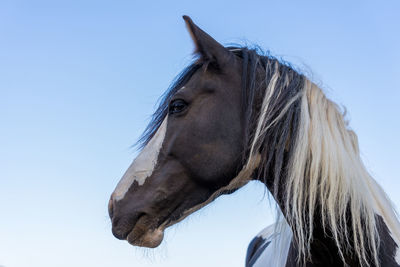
pixel 301 136
pixel 326 171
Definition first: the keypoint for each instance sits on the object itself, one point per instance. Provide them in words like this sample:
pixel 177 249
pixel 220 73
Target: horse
pixel 236 115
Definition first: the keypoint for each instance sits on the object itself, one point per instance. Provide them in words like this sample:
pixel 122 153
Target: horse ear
pixel 206 46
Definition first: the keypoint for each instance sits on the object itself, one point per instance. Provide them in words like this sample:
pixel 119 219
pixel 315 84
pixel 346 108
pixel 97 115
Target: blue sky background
pixel 80 79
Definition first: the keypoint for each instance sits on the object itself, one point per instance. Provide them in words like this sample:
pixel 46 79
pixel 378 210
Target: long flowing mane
pixel 302 137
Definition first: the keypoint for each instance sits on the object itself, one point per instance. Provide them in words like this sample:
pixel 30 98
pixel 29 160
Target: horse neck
pixel 319 177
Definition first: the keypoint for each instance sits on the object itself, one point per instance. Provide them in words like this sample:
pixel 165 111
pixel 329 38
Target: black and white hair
pixel 303 136
pixel 298 142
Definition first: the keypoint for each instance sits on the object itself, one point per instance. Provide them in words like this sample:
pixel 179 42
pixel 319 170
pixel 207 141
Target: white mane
pixel 325 170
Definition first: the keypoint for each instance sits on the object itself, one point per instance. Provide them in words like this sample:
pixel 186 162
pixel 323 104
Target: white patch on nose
pixel 143 165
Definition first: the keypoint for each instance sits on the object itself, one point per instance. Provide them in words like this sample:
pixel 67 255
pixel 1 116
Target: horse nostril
pixel 110 207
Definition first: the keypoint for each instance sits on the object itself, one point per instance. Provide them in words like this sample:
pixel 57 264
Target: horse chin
pixel 151 239
pixel 142 236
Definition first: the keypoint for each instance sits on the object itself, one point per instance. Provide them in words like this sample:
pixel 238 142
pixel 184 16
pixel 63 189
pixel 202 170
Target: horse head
pixel 193 151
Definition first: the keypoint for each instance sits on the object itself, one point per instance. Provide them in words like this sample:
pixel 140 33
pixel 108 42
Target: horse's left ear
pixel 206 46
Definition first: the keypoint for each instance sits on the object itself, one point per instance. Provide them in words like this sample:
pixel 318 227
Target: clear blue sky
pixel 79 80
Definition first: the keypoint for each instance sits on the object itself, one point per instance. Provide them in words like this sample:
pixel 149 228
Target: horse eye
pixel 177 106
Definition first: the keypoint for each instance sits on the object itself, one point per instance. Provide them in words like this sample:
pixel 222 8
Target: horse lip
pixel 123 234
pixel 140 230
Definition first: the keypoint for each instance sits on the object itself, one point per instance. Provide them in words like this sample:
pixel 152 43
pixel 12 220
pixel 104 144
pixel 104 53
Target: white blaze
pixel 143 165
